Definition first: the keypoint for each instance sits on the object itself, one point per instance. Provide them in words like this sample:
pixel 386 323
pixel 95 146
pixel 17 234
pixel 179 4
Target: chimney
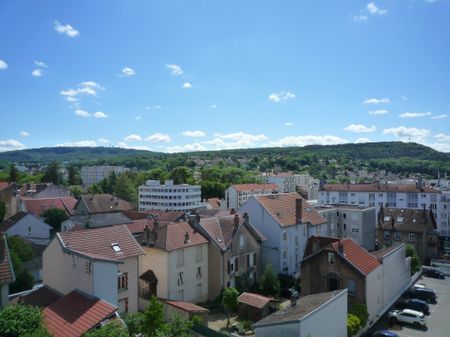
pixel 315 244
pixel 232 211
pixel 197 218
pixel 246 218
pixel 341 247
pixel 186 237
pixel 153 236
pixel 146 235
pixel 236 220
pixel 298 210
pixel 156 223
pixel 393 223
pixel 381 216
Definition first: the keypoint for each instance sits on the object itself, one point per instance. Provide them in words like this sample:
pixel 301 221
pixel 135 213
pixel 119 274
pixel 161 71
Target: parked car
pixel 418 285
pixel 424 294
pixel 415 304
pixel 434 273
pixel 409 316
pixel 383 333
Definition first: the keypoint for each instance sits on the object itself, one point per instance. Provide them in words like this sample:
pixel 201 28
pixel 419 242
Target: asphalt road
pixel 438 322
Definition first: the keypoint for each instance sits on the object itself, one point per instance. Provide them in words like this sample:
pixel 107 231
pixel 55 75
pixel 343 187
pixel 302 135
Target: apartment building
pixel 154 195
pixel 284 180
pixel 91 175
pixel 237 195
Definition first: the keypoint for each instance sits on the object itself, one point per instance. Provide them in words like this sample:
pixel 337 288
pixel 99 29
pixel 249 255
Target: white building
pixel 284 180
pixel 27 226
pixel 93 174
pixel 171 197
pixel 287 221
pixel 237 195
pixel 443 214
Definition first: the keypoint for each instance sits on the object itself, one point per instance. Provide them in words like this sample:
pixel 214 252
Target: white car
pixel 420 286
pixel 408 316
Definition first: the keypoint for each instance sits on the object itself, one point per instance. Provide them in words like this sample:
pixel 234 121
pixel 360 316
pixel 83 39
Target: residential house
pixel 416 227
pixel 351 221
pixel 253 307
pixel 8 195
pixel 323 314
pixel 90 204
pixel 27 226
pixel 234 249
pixel 237 195
pixel 44 191
pixel 6 270
pixel 185 310
pixel 37 206
pixel 102 262
pixel 286 220
pixel 175 264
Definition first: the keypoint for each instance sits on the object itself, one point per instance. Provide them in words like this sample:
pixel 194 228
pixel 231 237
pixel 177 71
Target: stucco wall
pixel 105 281
pixel 156 260
pixel 374 293
pixel 130 266
pixel 30 228
pixel 395 274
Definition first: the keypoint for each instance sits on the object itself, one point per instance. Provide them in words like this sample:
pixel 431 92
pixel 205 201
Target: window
pixel 411 237
pixel 285 254
pixel 330 258
pixel 180 278
pixel 296 240
pixel 122 281
pixel 397 236
pixel 199 273
pixel 180 258
pixel 116 247
pixel 355 230
pixel 387 235
pixel 241 241
pixel 284 236
pixel 198 254
pixel 351 285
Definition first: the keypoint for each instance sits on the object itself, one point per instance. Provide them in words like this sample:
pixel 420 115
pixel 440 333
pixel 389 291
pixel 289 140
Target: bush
pixel 353 325
pixel 19 320
pixel 247 325
pixel 112 329
pixel 415 261
pixel 360 311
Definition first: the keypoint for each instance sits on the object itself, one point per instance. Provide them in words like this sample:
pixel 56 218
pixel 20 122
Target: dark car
pixel 434 273
pixel 424 294
pixel 384 333
pixel 415 304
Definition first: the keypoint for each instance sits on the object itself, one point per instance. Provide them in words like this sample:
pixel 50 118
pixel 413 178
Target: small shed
pixel 185 310
pixel 253 306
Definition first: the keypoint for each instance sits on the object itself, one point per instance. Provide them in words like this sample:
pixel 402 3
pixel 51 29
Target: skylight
pixel 116 247
pixel 400 219
pixel 387 218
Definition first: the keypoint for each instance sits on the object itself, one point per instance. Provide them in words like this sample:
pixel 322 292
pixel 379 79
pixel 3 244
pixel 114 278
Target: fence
pixel 208 332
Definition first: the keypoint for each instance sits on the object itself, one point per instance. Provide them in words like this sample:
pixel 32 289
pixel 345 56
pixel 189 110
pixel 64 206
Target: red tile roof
pixel 6 269
pixel 254 300
pixel 161 215
pixel 214 202
pixel 253 187
pixel 41 297
pixel 3 185
pixel 137 226
pixel 188 307
pixel 357 255
pixel 38 206
pixel 283 208
pixel 171 236
pixel 321 241
pixel 97 242
pixel 75 314
pixel 104 203
pixel 378 188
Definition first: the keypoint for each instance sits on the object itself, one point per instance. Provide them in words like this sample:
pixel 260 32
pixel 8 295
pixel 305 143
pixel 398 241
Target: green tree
pixel 153 318
pixel 125 188
pixel 13 174
pixel 76 191
pixel 54 217
pixel 73 175
pixel 244 282
pixel 415 261
pixel 229 301
pixel 181 175
pixel 135 322
pixel 2 210
pixel 112 329
pixel 360 311
pixel 19 320
pixel 20 252
pixel 20 248
pixel 52 174
pixel 353 325
pixel 269 282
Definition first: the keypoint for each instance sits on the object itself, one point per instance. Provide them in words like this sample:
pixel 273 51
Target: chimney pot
pixel 236 220
pixel 341 247
pixel 186 237
pixel 298 210
pixel 232 211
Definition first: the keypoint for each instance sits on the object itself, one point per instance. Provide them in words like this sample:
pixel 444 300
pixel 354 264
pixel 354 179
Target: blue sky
pixel 196 75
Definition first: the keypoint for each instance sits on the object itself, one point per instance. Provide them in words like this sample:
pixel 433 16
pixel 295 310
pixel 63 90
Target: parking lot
pixel 438 322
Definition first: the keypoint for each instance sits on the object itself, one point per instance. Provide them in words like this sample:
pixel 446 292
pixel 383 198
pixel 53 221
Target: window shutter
pixel 254 259
pixel 248 261
pixel 237 264
pixel 228 266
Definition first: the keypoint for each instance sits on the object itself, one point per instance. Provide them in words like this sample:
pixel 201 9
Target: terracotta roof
pixel 188 307
pixel 406 220
pixel 3 185
pixel 161 215
pixel 253 187
pixel 8 223
pixel 104 203
pixel 357 255
pixel 41 297
pixel 382 253
pixel 138 226
pixel 6 269
pixel 98 242
pixel 378 188
pixel 322 241
pixel 75 314
pixel 283 208
pixel 214 202
pixel 254 300
pixel 38 206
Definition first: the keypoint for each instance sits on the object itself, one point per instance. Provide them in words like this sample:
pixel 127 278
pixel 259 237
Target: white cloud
pixel 187 85
pixel 430 1
pixel 441 137
pixel 405 132
pixel 360 128
pixel 242 136
pixel 195 134
pixel 37 72
pixel 82 113
pixel 186 148
pixel 443 147
pixel 288 124
pixel 414 114
pixel 40 64
pixel 439 116
pixel 404 98
pixel 66 29
pixel 100 114
pixel 133 138
pixel 360 18
pixel 175 69
pixel 24 133
pixel 213 106
pixel 378 112
pixel 3 65
pixel 362 140
pixel 373 9
pixel 281 96
pixel 10 145
pixel 88 88
pixel 308 140
pixel 80 143
pixel 127 72
pixel 138 118
pixel 154 107
pixel 376 101
pixel 103 141
pixel 158 138
pixel 133 147
pixel 235 140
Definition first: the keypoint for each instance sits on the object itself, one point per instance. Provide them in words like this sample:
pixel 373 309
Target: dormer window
pixel 116 247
